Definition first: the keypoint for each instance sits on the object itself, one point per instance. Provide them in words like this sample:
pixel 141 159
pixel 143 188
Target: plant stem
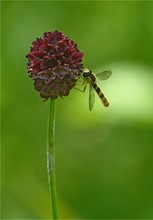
pixel 51 157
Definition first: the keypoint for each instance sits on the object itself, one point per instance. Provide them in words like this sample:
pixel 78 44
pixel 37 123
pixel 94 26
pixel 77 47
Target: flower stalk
pixel 51 157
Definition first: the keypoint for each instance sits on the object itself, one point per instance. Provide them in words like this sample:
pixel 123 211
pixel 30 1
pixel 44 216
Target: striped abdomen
pixel 100 94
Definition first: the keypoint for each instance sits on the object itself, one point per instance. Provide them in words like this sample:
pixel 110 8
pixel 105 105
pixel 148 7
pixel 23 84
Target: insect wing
pixel 91 97
pixel 104 75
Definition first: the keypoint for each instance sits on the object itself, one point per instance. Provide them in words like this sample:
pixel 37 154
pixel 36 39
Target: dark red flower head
pixel 54 64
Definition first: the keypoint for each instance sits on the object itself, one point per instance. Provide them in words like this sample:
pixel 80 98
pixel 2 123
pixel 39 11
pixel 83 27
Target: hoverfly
pixel 90 78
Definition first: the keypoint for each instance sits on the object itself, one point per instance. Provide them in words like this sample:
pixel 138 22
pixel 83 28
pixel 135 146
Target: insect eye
pixel 86 73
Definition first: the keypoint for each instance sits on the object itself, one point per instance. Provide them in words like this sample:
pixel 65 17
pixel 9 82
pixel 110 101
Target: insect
pixel 90 78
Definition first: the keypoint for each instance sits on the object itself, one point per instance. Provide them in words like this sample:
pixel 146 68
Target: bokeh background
pixel 104 158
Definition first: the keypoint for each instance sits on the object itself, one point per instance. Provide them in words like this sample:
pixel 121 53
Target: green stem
pixel 51 157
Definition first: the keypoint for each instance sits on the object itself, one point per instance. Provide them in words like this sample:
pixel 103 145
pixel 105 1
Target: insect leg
pixel 84 88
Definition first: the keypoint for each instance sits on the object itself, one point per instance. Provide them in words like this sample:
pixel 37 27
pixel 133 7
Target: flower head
pixel 54 64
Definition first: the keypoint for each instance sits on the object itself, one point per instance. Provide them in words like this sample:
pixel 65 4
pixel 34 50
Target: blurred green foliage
pixel 104 157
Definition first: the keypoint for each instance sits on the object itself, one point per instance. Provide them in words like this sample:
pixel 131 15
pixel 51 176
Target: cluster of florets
pixel 54 64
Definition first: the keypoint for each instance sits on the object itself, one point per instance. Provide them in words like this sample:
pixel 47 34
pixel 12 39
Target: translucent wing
pixel 91 97
pixel 104 75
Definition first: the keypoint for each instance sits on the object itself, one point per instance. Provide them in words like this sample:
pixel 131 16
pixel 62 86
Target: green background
pixel 104 158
